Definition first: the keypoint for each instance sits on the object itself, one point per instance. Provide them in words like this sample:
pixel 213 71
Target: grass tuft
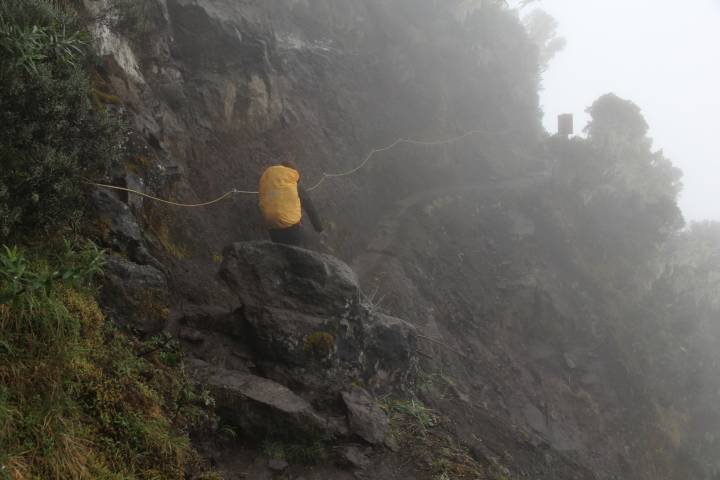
pixel 423 437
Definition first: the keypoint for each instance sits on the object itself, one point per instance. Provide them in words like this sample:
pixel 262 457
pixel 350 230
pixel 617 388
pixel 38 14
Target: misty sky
pixel 662 54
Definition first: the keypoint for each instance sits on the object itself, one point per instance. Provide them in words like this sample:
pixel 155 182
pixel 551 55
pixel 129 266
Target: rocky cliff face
pixel 302 360
pixel 216 90
pixel 472 345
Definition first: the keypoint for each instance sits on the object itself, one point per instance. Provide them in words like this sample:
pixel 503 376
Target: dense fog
pixel 662 55
pixel 357 239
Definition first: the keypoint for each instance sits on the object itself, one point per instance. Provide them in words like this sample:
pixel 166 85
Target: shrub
pixel 319 345
pixel 416 415
pixel 50 136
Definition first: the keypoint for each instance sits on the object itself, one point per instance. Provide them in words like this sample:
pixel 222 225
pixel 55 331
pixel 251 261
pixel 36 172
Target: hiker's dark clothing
pixel 288 236
pixel 309 208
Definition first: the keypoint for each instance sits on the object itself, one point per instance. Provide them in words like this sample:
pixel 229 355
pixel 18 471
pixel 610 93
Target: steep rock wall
pixel 216 90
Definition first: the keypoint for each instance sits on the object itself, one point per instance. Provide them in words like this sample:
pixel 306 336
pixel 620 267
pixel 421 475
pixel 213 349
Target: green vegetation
pixel 50 136
pixel 542 30
pixel 616 204
pixel 159 224
pixel 434 385
pixel 617 196
pixel 319 345
pixel 421 417
pixel 422 436
pixel 78 399
pixel 674 333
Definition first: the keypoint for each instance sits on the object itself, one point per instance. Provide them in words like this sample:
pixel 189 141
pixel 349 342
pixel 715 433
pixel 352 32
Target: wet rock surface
pixel 282 277
pixel 284 363
pixel 260 407
pixel 353 456
pixel 365 418
pixel 135 296
pixel 302 316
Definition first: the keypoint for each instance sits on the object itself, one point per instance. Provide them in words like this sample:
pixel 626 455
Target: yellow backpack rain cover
pixel 278 197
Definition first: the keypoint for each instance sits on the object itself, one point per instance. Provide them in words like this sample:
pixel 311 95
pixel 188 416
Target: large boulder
pixel 300 326
pixel 365 418
pixel 261 407
pixel 301 311
pixel 284 277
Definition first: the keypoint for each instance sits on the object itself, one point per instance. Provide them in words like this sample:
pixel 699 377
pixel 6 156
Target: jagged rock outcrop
pixel 290 357
pixel 258 406
pixel 303 308
pixel 365 418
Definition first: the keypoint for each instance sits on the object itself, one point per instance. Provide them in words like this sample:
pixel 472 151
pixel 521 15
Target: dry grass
pixel 422 436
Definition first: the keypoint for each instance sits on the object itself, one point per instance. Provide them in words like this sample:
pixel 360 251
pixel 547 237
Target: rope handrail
pixel 323 177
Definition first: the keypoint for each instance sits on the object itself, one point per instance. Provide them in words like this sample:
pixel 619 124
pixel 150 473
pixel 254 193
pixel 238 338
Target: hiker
pixel 282 200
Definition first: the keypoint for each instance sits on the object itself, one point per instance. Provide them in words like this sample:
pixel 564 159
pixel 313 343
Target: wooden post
pixel 565 125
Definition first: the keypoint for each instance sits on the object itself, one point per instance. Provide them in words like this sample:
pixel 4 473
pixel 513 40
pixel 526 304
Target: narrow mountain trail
pixel 386 242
